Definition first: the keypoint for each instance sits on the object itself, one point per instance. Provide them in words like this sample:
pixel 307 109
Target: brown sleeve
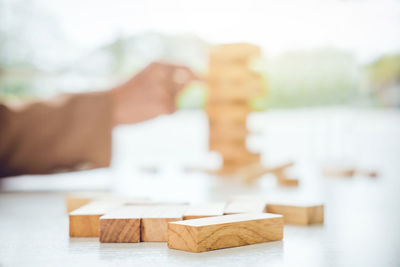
pixel 63 133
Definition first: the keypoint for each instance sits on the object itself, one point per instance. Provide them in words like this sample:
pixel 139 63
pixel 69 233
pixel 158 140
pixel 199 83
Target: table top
pixel 362 218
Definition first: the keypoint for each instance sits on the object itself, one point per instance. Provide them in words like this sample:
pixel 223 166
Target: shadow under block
pixel 245 206
pixel 84 221
pixel 212 233
pixel 197 211
pixel 302 214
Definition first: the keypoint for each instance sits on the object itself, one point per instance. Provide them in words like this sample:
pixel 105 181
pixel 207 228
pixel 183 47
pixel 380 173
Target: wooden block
pixel 78 199
pixel 231 135
pixel 245 206
pixel 226 147
pixel 282 177
pixel 235 86
pixel 339 172
pixel 232 93
pixel 121 225
pixel 239 53
pixel 84 221
pixel 154 223
pixel 228 112
pixel 212 233
pixel 288 182
pixel 302 214
pixel 197 211
pixel 239 159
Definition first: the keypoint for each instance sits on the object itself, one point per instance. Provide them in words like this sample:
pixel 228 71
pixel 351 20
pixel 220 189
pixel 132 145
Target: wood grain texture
pixel 119 230
pixel 212 233
pixel 303 214
pixel 132 222
pixel 154 223
pixel 121 225
pixel 197 211
pixel 84 221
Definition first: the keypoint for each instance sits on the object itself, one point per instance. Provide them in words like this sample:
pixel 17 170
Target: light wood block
pixel 153 219
pixel 240 88
pixel 196 211
pixel 84 221
pixel 228 112
pixel 239 53
pixel 245 206
pixel 228 135
pixel 239 159
pixel 121 225
pixel 78 199
pixel 212 233
pixel 154 223
pixel 227 148
pixel 302 214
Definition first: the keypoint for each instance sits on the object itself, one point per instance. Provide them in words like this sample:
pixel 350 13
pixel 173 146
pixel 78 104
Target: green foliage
pixel 386 69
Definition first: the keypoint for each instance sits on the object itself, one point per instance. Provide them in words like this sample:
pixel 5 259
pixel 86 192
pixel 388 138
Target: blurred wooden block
pixel 288 182
pixel 197 211
pixel 282 177
pixel 243 159
pixel 339 172
pixel 240 87
pixel 226 95
pixel 212 233
pixel 227 147
pixel 231 135
pixel 245 206
pixel 227 125
pixel 84 221
pixel 228 112
pixel 78 199
pixel 120 226
pixel 239 53
pixel 302 214
pixel 347 172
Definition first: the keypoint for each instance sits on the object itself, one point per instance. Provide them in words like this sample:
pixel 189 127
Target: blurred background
pixel 317 53
pixel 332 98
pixel 332 70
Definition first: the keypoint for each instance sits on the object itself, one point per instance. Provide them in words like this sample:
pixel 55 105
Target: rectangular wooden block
pixel 225 147
pixel 231 135
pixel 120 226
pixel 234 86
pixel 78 199
pixel 224 231
pixel 234 53
pixel 84 221
pixel 245 206
pixel 243 158
pixel 303 214
pixel 197 211
pixel 154 223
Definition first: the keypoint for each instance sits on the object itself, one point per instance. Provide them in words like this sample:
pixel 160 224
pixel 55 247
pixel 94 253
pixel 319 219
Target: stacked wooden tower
pixel 231 85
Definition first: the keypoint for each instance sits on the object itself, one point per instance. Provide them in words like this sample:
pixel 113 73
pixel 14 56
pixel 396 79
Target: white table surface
pixel 362 215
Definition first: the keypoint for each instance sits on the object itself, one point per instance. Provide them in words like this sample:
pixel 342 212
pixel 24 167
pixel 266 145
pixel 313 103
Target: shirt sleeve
pixel 64 133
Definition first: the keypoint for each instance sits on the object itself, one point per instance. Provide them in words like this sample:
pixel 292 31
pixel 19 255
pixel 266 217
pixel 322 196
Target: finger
pixel 180 78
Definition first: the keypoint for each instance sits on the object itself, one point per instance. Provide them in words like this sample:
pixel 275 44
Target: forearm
pixel 63 133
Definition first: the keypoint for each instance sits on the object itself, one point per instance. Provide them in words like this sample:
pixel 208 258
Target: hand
pixel 150 93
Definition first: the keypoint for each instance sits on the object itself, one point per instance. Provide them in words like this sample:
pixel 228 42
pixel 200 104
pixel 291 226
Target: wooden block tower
pixel 231 84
